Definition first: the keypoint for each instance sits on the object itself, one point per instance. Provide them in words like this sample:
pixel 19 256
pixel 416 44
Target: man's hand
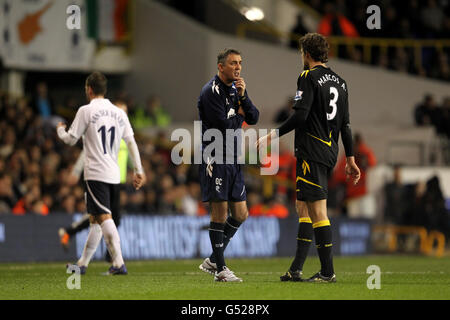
pixel 139 180
pixel 61 125
pixel 241 111
pixel 72 179
pixel 352 170
pixel 266 139
pixel 240 86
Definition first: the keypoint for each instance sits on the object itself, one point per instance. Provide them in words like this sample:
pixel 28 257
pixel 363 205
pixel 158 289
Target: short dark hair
pixel 222 57
pixel 97 82
pixel 316 45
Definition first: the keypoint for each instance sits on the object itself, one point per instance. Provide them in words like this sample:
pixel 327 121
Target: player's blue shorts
pixel 222 182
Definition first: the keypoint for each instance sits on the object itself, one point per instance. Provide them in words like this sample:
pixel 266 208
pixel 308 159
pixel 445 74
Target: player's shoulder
pixel 84 109
pixel 122 113
pixel 341 81
pixel 338 76
pixel 321 75
pixel 211 89
pixel 306 76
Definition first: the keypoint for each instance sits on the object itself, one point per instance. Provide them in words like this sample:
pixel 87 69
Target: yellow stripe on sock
pixel 304 220
pixel 303 239
pixel 328 245
pixel 322 223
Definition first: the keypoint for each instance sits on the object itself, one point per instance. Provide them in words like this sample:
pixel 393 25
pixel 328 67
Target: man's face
pixel 231 70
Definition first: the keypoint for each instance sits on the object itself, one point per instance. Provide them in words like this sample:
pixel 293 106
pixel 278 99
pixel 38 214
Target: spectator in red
pixel 269 208
pixel 334 23
pixel 286 167
pixel 359 202
pixel 29 204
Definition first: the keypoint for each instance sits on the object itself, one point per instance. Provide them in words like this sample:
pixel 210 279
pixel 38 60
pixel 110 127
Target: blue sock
pixel 216 231
pixel 231 226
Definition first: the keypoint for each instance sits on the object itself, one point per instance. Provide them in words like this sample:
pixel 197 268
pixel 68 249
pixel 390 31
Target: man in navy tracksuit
pixel 224 104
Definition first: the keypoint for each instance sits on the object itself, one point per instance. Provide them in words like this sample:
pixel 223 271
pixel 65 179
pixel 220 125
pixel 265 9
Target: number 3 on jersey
pixel 102 130
pixel 335 95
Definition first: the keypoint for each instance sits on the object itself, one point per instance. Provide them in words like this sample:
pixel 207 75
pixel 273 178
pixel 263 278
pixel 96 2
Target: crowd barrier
pixel 33 238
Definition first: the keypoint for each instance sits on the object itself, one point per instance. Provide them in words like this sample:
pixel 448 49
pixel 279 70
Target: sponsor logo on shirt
pixel 231 113
pixel 215 87
pixel 298 95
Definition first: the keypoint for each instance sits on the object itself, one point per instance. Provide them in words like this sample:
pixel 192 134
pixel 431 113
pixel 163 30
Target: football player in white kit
pixel 102 126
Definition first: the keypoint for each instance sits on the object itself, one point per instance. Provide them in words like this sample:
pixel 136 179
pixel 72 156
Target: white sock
pixel 112 241
pixel 92 241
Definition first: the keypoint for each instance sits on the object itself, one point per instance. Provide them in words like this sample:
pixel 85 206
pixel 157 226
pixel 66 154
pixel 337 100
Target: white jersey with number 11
pixel 102 126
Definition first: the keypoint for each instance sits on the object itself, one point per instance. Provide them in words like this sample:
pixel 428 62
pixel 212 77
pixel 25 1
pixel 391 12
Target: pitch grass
pixel 402 277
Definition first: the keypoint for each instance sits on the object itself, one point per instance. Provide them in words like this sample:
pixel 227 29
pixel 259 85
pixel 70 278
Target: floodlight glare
pixel 253 14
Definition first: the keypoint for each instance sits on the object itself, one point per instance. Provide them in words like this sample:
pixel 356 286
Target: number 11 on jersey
pixel 112 130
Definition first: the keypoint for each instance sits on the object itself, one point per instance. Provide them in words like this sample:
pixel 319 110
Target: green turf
pixel 402 277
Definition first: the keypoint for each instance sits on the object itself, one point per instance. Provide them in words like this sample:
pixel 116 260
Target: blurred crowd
pixel 415 20
pixel 35 165
pixel 416 204
pixel 432 114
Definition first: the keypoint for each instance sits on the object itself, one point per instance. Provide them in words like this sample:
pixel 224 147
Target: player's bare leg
pixel 304 239
pixel 239 211
pixel 322 232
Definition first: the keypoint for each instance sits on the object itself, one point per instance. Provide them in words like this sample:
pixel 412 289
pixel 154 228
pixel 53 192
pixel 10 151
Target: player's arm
pixel 75 174
pixel 215 112
pixel 351 169
pixel 303 102
pixel 251 114
pixel 64 136
pixel 246 107
pixel 139 175
pixel 77 129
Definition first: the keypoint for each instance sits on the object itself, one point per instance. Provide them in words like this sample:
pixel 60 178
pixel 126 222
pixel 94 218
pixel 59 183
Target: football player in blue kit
pixel 224 104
